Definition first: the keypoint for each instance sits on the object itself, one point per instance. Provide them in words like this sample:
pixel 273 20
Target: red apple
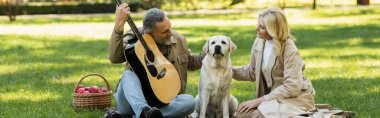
pixel 94 89
pixel 80 90
pixel 102 90
pixel 86 88
pixel 80 86
pixel 86 92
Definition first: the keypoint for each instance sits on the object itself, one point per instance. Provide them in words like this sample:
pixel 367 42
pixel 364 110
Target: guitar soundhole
pixel 150 55
pixel 149 59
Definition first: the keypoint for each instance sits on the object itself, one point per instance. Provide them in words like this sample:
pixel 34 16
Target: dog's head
pixel 219 46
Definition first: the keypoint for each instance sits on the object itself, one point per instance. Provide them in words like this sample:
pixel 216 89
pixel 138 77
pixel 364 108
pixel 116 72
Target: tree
pixel 362 2
pixel 11 7
pixel 282 4
pixel 314 4
pixel 152 3
pixel 234 2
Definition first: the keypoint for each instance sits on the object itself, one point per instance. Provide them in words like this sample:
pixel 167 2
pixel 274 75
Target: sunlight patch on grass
pixel 370 63
pixel 323 64
pixel 375 89
pixel 354 41
pixel 349 52
pixel 23 94
pixel 87 82
pixel 65 80
pixel 5 69
pixel 90 30
pixel 376 40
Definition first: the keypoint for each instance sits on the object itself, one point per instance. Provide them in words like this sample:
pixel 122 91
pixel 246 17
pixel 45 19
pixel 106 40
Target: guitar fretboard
pixel 136 32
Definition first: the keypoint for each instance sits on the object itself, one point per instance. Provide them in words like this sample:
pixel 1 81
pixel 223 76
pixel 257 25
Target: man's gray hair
pixel 151 17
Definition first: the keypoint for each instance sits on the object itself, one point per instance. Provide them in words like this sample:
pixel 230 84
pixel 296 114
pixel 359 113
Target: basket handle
pixel 93 74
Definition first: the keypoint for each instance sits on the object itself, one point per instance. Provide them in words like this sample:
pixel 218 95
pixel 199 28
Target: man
pixel 129 96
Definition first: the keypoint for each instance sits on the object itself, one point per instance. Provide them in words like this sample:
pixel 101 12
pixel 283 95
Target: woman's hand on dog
pixel 248 105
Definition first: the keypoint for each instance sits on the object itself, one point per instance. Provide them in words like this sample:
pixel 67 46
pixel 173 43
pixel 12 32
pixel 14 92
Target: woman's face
pixel 262 30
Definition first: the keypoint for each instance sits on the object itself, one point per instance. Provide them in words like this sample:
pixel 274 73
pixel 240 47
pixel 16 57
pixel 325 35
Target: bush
pixel 70 8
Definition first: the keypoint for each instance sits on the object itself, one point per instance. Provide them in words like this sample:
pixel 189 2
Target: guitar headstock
pixel 119 2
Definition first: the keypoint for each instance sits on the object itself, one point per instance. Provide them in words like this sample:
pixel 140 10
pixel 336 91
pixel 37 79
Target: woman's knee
pixel 254 113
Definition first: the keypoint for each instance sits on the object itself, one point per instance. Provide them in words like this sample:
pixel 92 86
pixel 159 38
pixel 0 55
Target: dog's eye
pixel 213 42
pixel 223 42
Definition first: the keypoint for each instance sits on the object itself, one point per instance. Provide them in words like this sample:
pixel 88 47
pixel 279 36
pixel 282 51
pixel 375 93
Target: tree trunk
pixel 362 2
pixel 12 9
pixel 234 2
pixel 314 4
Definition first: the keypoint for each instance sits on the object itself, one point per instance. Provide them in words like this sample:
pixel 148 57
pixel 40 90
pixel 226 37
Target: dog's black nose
pixel 217 48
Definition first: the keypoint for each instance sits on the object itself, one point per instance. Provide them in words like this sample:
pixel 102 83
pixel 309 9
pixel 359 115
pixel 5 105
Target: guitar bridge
pixel 161 74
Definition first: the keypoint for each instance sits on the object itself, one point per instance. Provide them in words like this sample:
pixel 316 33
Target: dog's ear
pixel 205 47
pixel 232 46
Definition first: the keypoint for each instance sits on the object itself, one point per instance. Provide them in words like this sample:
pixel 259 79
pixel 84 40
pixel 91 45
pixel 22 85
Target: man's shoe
pixel 111 113
pixel 153 112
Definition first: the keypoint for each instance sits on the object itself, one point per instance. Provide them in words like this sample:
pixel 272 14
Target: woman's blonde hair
pixel 277 26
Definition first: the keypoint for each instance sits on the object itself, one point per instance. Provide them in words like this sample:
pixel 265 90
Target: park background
pixel 46 46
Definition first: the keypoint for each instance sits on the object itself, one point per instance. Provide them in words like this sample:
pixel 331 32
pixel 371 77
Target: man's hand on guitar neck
pixel 122 12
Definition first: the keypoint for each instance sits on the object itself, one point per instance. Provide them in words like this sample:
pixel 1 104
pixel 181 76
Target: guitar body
pixel 159 87
pixel 159 79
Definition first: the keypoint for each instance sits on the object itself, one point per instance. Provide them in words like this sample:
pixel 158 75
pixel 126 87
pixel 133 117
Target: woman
pixel 276 67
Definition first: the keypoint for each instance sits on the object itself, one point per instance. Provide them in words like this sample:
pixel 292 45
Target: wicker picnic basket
pixel 92 100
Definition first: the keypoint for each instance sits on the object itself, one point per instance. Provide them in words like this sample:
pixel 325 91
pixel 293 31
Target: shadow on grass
pixel 307 37
pixel 353 94
pixel 55 59
pixel 338 36
pixel 328 38
pixel 55 68
pixel 350 12
pixel 60 107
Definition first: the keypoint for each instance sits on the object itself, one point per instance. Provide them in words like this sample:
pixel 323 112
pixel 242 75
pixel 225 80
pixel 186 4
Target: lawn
pixel 38 71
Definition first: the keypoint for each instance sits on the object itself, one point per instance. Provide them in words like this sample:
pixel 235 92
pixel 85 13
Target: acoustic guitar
pixel 159 79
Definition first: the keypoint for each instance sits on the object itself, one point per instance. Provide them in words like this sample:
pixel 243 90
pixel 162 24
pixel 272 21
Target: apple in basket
pixel 86 88
pixel 102 90
pixel 80 86
pixel 80 90
pixel 94 89
pixel 86 92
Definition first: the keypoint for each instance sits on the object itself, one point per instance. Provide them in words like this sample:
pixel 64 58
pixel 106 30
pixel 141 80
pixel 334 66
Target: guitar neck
pixel 134 28
pixel 137 32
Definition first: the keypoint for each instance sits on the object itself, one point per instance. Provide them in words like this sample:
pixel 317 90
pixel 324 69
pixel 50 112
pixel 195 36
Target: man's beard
pixel 163 42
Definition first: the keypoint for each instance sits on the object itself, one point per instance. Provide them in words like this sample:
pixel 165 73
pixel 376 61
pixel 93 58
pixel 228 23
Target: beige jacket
pixel 287 84
pixel 178 53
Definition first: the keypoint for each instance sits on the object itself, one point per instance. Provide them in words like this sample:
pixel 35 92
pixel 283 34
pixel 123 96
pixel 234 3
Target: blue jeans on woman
pixel 130 99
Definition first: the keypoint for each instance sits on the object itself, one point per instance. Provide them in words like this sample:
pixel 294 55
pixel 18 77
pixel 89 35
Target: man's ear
pixel 232 46
pixel 205 47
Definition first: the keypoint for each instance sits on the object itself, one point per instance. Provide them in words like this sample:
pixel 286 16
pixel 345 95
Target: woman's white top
pixel 268 48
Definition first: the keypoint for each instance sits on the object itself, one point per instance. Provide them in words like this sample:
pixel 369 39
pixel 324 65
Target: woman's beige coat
pixel 288 90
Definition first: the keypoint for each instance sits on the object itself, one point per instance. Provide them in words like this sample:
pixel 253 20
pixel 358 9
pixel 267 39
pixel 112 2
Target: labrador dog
pixel 214 99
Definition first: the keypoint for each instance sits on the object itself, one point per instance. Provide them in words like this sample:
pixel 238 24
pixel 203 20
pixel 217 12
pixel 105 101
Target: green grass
pixel 38 72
